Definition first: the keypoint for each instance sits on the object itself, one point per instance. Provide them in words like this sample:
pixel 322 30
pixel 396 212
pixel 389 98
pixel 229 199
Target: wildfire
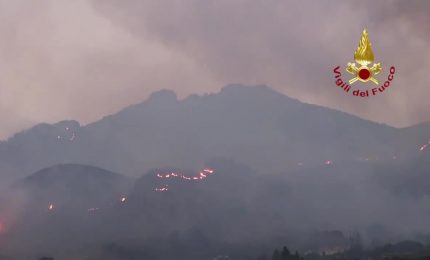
pixel 201 176
pixel 51 206
pixel 165 188
pixel 424 146
pixel 123 199
pixel 69 136
pixel 329 162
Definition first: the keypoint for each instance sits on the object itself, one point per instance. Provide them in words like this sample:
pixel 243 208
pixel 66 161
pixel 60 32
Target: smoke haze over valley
pixel 208 175
pixel 214 130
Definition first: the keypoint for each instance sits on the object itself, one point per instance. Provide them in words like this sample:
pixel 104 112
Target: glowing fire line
pixel 425 146
pixel 201 176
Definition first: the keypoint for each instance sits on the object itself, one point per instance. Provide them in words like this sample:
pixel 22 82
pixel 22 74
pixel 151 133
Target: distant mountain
pixel 285 172
pixel 76 181
pixel 194 218
pixel 71 187
pixel 221 207
pixel 255 126
pixel 59 206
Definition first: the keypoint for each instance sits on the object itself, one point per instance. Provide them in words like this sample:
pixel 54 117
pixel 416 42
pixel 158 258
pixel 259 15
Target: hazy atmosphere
pixel 212 130
pixel 85 59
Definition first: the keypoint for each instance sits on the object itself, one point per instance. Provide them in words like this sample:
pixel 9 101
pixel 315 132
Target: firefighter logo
pixel 364 57
pixel 364 69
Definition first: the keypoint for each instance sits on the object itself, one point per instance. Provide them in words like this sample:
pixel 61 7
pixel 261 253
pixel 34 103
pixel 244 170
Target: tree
pixel 285 255
pixel 276 255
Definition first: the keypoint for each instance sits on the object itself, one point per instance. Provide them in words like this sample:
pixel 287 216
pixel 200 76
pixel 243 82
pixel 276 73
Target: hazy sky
pixel 84 59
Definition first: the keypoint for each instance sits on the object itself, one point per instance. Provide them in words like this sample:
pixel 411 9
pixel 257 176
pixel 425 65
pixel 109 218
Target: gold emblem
pixel 364 57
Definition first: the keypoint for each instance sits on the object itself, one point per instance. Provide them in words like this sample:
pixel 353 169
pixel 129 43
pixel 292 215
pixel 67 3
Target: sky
pixel 85 59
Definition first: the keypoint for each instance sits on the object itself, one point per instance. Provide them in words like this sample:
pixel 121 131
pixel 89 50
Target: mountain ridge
pixel 253 125
pixel 168 93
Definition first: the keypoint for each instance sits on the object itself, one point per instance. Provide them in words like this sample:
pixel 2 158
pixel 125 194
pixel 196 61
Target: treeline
pixel 406 250
pixel 283 254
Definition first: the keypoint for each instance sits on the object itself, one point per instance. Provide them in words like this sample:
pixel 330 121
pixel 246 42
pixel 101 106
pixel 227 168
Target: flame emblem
pixel 364 57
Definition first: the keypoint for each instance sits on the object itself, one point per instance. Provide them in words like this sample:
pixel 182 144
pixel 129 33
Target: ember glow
pixel 165 188
pixel 201 176
pixel 123 199
pixel 51 206
pixel 68 136
pixel 425 146
pixel 329 162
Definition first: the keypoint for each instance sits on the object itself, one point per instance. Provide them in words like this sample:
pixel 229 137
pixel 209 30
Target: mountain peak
pixel 246 89
pixel 73 124
pixel 255 92
pixel 70 173
pixel 163 96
